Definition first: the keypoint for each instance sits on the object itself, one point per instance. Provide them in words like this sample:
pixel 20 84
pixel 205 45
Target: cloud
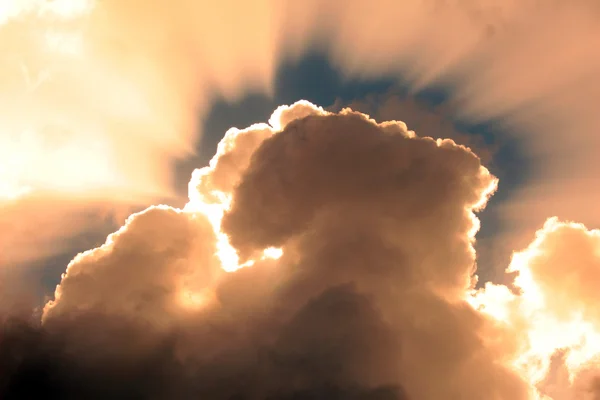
pixel 366 298
pixel 554 312
pixel 159 234
pixel 323 255
pixel 560 245
pixel 216 334
pixel 341 165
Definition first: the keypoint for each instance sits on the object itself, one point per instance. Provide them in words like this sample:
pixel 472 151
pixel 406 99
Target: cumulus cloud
pixel 322 255
pixel 355 259
pixel 375 224
pixel 327 169
pixel 554 313
pixel 181 247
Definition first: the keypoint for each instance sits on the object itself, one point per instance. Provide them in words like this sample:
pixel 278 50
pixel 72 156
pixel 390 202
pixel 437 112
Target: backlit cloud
pixel 365 298
pixel 321 255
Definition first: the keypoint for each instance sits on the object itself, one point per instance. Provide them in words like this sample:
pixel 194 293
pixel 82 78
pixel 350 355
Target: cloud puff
pixel 565 263
pixel 553 314
pixel 347 167
pixel 366 298
pixel 130 272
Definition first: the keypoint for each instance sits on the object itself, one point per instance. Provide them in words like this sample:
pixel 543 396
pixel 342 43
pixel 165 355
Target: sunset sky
pixel 299 200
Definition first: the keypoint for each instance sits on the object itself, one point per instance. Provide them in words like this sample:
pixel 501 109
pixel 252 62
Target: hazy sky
pixel 292 200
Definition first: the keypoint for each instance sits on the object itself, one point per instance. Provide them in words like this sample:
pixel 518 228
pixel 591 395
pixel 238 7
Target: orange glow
pixel 541 328
pixel 97 103
pixel 214 212
pixel 197 301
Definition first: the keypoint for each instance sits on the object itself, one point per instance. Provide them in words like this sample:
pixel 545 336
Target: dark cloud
pixel 81 358
pixel 346 175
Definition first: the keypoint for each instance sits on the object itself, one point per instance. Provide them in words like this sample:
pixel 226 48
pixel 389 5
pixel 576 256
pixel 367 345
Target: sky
pixel 283 200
